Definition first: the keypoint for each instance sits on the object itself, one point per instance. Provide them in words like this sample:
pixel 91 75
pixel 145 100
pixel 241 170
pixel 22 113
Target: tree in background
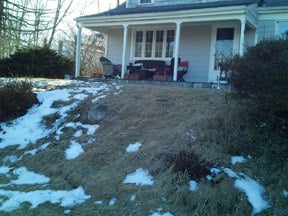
pixel 26 22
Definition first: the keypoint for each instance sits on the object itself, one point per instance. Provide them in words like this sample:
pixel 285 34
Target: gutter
pixel 270 10
pixel 207 12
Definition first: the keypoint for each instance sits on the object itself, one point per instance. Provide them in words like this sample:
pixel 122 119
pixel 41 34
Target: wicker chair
pixel 110 69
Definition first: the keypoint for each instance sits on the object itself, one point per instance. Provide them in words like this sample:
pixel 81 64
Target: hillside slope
pixel 179 144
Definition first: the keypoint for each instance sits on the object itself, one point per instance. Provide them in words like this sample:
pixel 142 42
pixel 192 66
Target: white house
pixel 198 31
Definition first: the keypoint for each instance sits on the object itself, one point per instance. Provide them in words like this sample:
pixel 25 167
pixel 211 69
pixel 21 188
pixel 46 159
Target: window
pixel 145 1
pixel 159 44
pixel 224 45
pixel 149 44
pixel 283 30
pixel 138 43
pixel 170 43
pixel 154 44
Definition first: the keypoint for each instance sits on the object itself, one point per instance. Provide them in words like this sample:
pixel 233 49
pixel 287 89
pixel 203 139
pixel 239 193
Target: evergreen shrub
pixel 36 62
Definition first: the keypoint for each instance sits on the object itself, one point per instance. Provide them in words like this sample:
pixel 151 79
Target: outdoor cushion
pixel 152 64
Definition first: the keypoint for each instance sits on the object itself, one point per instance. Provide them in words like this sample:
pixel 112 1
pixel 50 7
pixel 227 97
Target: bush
pixel 36 62
pixel 16 98
pixel 190 163
pixel 261 76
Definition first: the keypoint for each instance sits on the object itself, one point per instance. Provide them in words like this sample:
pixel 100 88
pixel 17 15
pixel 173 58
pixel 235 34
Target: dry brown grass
pixel 158 117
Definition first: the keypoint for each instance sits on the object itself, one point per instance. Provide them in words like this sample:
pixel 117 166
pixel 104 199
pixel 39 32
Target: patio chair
pixel 182 69
pixel 110 69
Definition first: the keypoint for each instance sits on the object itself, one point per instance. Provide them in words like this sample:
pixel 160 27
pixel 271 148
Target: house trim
pixel 154 29
pixel 236 46
pixel 206 14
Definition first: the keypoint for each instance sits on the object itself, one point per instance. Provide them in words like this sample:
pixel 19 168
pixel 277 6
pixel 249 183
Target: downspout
pixel 125 38
pixel 78 51
pixel 176 50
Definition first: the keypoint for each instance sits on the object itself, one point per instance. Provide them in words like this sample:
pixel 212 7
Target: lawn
pixel 108 148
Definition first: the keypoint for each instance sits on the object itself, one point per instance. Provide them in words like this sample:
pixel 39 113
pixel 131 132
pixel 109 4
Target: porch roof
pixel 275 3
pixel 122 10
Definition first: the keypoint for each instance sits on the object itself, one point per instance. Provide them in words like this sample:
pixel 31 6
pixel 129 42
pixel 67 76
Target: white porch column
pixel 242 36
pixel 125 38
pixel 176 50
pixel 78 51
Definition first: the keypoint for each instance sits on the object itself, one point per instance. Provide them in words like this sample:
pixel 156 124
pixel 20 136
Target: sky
pixel 87 7
pixel 81 8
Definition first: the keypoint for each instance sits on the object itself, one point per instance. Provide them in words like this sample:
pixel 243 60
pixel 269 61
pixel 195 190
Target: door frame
pixel 213 74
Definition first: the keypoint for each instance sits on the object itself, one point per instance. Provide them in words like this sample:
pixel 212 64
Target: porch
pixel 201 38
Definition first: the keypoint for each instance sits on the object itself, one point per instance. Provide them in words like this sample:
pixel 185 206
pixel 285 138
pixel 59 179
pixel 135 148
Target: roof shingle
pixel 122 10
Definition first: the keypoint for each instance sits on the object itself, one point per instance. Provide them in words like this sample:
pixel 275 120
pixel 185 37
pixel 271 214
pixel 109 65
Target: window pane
pixel 138 43
pixel 170 43
pixel 224 45
pixel 283 30
pixel 159 44
pixel 149 44
pixel 145 1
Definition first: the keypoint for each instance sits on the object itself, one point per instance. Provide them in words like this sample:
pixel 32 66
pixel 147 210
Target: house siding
pixel 135 3
pixel 195 48
pixel 249 38
pixel 115 46
pixel 266 29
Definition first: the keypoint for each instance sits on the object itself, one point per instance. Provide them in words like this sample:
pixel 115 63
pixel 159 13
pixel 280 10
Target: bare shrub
pixel 261 77
pixel 16 98
pixel 190 163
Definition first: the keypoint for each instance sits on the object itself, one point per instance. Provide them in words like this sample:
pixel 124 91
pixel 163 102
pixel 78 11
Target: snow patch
pixel 237 159
pixel 28 177
pixel 29 128
pixel 35 198
pixel 75 150
pixel 99 202
pixel 78 133
pixel 67 211
pixel 160 214
pixel 5 170
pixel 193 186
pixel 132 197
pixel 253 190
pixel 112 201
pixel 140 177
pixel 133 147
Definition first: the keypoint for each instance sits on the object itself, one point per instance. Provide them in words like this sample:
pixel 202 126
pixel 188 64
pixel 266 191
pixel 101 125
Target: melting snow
pixel 237 159
pixel 133 198
pixel 99 202
pixel 160 214
pixel 5 170
pixel 112 201
pixel 285 193
pixel 27 177
pixel 30 128
pixel 65 198
pixel 140 177
pixel 253 190
pixel 78 133
pixel 133 147
pixel 193 186
pixel 75 150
